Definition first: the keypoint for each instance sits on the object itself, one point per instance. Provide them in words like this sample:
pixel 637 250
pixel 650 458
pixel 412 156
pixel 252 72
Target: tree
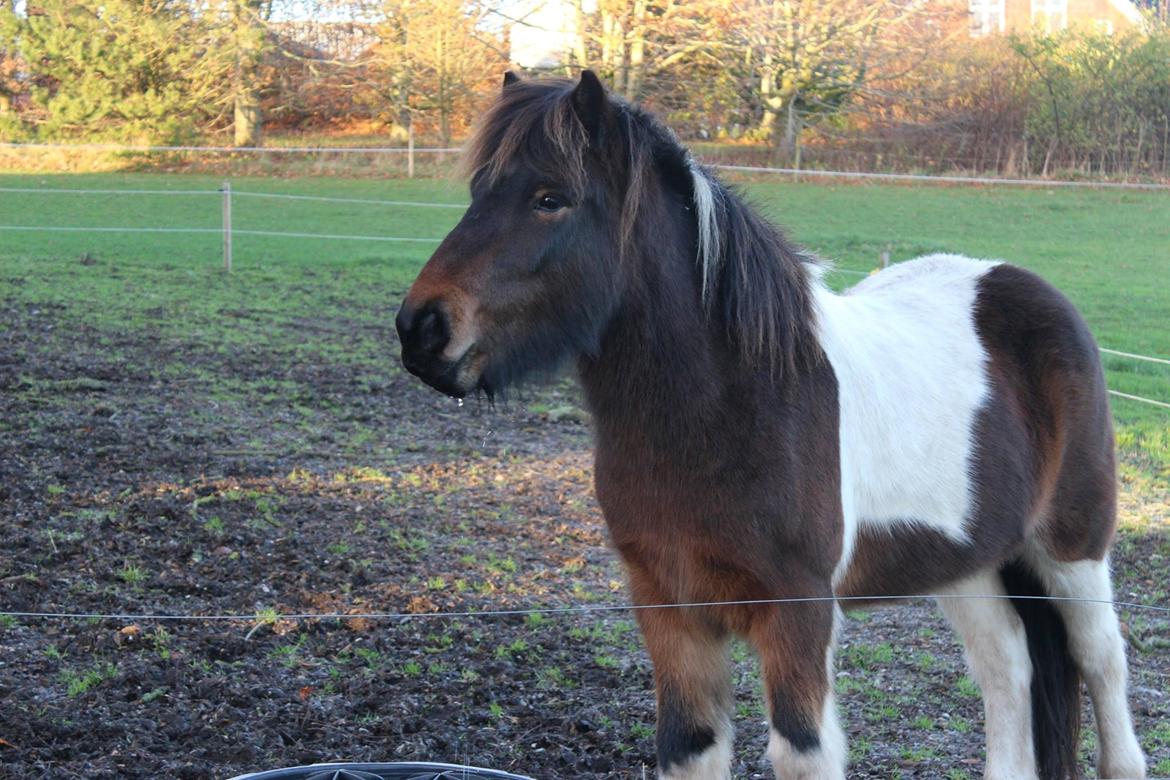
pixel 614 37
pixel 802 58
pixel 1099 102
pixel 434 58
pixel 249 42
pixel 630 42
pixel 117 69
pixel 7 60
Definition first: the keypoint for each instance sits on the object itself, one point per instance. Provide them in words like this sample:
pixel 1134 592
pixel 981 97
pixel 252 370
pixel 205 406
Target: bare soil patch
pixel 255 483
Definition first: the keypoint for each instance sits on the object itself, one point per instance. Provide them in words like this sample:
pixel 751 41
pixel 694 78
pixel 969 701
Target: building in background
pixel 990 17
pixel 543 33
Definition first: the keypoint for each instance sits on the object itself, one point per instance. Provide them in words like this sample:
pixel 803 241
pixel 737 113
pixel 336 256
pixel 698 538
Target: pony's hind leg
pixel 693 682
pixel 997 654
pixel 1097 646
pixel 795 645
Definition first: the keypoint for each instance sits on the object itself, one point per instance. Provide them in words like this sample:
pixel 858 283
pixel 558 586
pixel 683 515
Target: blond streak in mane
pixel 707 218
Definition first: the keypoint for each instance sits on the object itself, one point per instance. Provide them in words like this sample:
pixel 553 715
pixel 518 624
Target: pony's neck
pixel 717 315
pixel 662 380
pixel 656 381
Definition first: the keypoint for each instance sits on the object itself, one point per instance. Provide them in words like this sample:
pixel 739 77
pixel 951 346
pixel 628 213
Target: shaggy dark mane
pixel 751 279
pixel 756 283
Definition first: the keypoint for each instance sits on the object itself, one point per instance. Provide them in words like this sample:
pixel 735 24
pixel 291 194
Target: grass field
pixel 1108 250
pixel 174 440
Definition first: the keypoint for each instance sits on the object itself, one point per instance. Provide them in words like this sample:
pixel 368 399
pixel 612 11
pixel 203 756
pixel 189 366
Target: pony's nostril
pixel 424 332
pixel 432 332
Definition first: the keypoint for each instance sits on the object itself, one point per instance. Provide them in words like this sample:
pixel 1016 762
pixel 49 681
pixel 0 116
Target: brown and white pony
pixel 941 428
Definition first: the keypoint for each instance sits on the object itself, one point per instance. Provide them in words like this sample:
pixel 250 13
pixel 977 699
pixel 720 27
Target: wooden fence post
pixel 410 150
pixel 227 226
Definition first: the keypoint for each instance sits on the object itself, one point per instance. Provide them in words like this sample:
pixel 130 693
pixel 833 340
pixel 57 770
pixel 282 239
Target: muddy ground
pixel 256 481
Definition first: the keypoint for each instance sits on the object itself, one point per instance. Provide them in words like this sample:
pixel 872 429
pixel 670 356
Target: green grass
pixel 80 681
pixel 132 575
pixel 1108 250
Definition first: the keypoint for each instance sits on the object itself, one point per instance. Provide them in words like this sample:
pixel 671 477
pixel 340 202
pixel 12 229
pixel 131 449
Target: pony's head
pixel 532 273
pixel 579 204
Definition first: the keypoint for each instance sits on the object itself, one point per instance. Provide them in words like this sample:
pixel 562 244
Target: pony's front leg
pixel 795 645
pixel 692 677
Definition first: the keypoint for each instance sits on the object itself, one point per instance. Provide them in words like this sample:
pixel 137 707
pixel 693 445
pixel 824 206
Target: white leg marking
pixel 1096 645
pixel 997 654
pixel 827 762
pixel 714 763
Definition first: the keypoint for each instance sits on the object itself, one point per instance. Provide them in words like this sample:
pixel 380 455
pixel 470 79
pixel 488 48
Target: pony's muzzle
pixel 424 333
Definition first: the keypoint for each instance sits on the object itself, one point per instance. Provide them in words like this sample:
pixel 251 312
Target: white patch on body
pixel 1096 644
pixel 911 378
pixel 997 654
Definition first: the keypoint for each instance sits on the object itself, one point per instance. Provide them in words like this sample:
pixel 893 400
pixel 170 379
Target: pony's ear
pixel 591 104
pixel 510 78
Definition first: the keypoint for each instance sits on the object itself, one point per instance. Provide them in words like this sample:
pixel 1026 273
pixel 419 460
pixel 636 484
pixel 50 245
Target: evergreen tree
pixel 153 71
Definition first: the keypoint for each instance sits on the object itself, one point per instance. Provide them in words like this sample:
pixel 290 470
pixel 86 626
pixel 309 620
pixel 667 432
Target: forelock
pixel 532 122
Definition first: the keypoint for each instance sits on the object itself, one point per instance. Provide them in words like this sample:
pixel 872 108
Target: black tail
pixel 1056 682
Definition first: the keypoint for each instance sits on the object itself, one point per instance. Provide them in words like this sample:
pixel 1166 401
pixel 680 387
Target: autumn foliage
pixel 897 84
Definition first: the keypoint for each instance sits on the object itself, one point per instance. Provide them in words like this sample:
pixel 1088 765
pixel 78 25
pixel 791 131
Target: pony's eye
pixel 549 203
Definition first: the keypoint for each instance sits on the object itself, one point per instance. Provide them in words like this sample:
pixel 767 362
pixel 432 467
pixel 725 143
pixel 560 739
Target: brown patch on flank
pixel 1047 371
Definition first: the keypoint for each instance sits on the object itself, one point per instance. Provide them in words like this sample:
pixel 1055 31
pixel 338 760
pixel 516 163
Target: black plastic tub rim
pixel 392 771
